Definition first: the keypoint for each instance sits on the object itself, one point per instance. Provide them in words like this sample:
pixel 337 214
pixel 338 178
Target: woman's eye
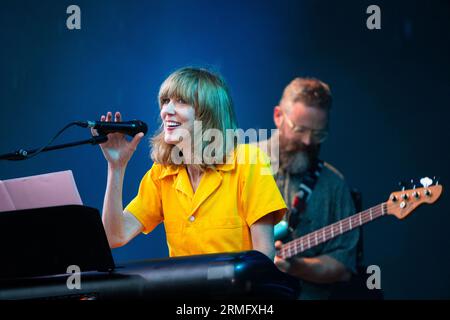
pixel 181 100
pixel 164 101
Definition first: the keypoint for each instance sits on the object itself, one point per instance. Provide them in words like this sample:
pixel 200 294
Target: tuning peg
pixel 413 185
pixel 401 184
pixel 426 182
pixel 436 180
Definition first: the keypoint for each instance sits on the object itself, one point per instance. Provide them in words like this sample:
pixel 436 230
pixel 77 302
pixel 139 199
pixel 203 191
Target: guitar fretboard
pixel 324 234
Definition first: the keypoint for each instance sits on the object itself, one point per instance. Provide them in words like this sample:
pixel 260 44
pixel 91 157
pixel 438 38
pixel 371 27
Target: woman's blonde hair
pixel 210 97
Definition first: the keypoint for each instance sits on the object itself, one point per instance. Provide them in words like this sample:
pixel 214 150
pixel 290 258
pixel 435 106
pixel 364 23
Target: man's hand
pixel 281 263
pixel 320 269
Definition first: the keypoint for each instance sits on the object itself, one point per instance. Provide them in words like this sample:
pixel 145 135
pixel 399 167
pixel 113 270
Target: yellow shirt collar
pixel 169 170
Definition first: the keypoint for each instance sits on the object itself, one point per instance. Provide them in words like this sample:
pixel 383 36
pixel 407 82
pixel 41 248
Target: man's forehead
pixel 301 107
pixel 305 115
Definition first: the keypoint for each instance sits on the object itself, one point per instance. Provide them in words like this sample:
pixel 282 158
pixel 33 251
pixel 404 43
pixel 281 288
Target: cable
pixel 25 155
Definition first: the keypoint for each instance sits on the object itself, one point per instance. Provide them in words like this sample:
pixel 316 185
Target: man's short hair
pixel 312 92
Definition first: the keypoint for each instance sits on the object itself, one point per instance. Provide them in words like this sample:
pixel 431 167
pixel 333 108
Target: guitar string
pixel 297 244
pixel 365 214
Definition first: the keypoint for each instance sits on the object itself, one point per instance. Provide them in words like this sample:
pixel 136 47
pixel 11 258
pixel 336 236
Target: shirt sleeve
pixel 343 247
pixel 259 192
pixel 146 206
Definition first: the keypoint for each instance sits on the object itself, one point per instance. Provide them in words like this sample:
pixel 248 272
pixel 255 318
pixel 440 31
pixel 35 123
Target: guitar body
pixel 281 230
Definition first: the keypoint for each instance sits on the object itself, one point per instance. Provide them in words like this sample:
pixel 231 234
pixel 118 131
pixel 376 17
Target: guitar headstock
pixel 402 203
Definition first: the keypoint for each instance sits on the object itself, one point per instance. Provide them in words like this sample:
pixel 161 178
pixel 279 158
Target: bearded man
pixel 314 190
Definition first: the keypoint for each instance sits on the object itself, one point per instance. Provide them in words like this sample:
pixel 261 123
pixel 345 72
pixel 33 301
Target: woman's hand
pixel 117 150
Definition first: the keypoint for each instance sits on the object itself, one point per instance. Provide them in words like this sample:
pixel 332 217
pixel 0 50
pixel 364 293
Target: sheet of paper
pixel 45 190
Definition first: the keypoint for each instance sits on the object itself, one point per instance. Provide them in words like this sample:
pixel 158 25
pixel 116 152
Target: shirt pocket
pixel 225 235
pixel 224 223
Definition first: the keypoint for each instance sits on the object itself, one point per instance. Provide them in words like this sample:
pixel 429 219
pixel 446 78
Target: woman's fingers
pixel 108 118
pixel 94 132
pixel 137 138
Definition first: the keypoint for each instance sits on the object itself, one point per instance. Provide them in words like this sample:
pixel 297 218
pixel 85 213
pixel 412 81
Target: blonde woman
pixel 220 205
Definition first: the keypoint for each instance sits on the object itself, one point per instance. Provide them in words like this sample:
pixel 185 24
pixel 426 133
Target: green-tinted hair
pixel 208 94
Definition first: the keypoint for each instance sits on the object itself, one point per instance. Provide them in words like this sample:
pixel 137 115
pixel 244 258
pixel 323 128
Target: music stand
pixel 46 241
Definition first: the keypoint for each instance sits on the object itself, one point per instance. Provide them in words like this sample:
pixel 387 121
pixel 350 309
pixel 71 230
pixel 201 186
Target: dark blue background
pixel 390 113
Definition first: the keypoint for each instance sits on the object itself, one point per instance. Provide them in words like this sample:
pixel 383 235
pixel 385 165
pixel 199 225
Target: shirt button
pixel 191 218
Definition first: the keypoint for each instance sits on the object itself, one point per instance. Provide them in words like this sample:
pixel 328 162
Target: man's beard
pixel 297 159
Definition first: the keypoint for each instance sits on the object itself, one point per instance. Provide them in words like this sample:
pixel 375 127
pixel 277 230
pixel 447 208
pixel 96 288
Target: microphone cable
pixel 25 155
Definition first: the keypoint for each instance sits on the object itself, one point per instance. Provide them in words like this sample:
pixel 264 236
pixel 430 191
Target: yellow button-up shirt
pixel 217 217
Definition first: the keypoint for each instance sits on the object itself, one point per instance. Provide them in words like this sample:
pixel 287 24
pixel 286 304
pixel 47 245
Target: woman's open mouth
pixel 171 125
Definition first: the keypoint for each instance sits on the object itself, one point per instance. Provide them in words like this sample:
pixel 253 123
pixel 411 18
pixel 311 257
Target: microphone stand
pixel 22 154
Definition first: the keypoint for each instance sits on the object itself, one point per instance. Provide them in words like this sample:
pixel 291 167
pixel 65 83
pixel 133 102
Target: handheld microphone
pixel 130 128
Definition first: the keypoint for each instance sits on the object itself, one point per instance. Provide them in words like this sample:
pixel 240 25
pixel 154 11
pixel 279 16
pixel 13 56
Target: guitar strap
pixel 307 183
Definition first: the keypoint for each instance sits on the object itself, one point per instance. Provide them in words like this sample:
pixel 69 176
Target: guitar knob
pixel 427 192
pixel 394 198
pixel 404 196
pixel 415 194
pixel 426 182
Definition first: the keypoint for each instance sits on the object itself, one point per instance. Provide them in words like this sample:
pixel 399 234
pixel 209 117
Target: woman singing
pixel 212 197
